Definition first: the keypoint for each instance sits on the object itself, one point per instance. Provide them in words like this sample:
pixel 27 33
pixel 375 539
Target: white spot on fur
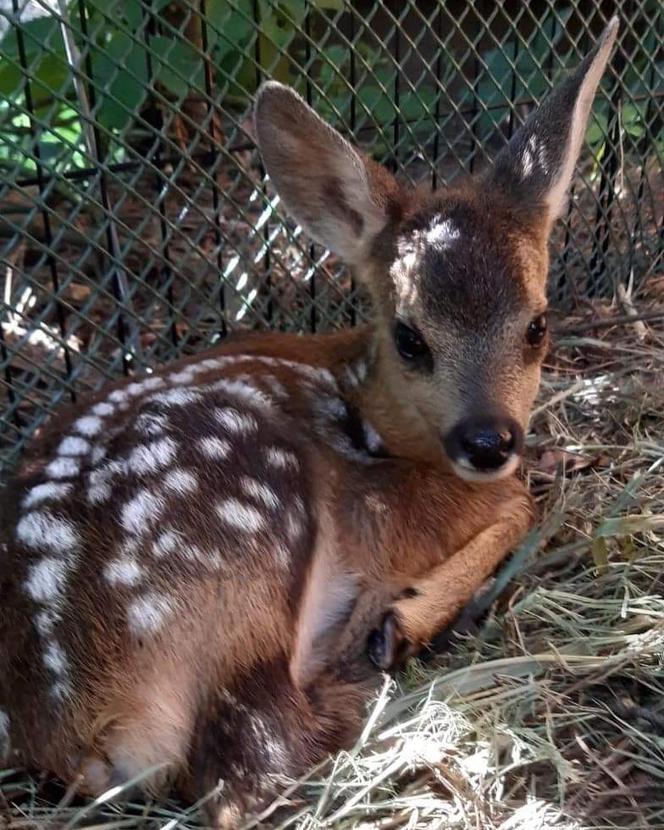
pixel 166 543
pixel 148 458
pixel 371 437
pixel 245 391
pixel 100 481
pixel 118 396
pixel 330 408
pixel 102 409
pixel 176 397
pixel 276 387
pixel 213 447
pixel 46 579
pixel 63 467
pixel 138 513
pixel 98 454
pixel 45 621
pixel 240 515
pixel 151 423
pixel 184 377
pixel 259 491
pixel 42 531
pixel 61 690
pixel 55 658
pixel 146 614
pixel 48 491
pixel 181 482
pixel 234 421
pixel 442 233
pixel 88 425
pixel 73 445
pixel 150 384
pixel 281 459
pixel 124 570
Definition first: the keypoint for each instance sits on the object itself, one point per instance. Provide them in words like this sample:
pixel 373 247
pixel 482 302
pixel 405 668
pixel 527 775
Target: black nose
pixel 484 443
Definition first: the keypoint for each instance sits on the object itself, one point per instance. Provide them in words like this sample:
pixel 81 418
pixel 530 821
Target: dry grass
pixel 551 715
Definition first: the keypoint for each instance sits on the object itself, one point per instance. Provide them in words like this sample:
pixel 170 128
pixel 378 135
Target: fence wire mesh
pixel 136 222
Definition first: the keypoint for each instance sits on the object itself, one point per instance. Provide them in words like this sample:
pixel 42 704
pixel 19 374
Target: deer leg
pixel 437 598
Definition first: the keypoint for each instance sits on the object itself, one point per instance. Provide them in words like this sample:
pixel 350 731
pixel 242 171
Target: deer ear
pixel 341 198
pixel 537 166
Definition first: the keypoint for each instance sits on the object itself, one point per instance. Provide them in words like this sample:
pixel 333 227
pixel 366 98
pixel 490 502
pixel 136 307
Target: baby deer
pixel 196 560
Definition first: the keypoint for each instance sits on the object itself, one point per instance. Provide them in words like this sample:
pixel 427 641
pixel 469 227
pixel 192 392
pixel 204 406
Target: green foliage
pixel 135 51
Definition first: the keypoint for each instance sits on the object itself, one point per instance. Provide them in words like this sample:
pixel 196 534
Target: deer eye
pixel 536 331
pixel 411 346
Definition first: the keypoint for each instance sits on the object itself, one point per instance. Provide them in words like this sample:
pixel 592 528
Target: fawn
pixel 199 562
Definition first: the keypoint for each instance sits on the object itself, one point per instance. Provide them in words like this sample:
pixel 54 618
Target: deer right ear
pixel 341 198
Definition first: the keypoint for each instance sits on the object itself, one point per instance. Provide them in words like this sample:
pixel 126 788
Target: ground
pixel 550 714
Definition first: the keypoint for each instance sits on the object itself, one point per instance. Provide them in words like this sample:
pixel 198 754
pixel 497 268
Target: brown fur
pixel 195 576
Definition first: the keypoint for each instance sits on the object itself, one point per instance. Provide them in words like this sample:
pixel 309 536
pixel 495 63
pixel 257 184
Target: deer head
pixel 457 277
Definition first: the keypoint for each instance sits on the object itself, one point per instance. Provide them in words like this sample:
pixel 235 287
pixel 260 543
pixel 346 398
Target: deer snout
pixel 485 448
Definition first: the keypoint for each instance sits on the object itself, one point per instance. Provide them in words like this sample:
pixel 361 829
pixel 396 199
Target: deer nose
pixel 484 444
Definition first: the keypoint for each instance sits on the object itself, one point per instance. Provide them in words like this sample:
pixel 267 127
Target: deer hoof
pixel 387 646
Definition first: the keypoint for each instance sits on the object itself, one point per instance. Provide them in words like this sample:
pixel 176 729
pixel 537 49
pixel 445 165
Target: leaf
pixel 621 526
pixel 177 65
pixel 600 553
pixel 120 78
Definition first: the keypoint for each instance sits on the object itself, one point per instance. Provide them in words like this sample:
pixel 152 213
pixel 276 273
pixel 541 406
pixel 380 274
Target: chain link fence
pixel 136 223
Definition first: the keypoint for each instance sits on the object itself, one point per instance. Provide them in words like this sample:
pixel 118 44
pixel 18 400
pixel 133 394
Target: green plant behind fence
pixel 135 220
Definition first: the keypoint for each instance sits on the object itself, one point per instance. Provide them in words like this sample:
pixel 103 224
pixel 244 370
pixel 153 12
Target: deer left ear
pixel 537 165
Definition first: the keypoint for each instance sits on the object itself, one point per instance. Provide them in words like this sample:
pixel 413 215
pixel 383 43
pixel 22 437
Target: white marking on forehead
pixel 148 458
pixel 213 447
pixel 88 425
pixel 259 491
pixel 442 233
pixel 55 658
pixel 281 459
pixel 151 423
pixel 43 531
pixel 46 579
pixel 124 570
pixel 176 397
pixel 49 490
pixel 45 621
pixel 167 542
pixel 180 481
pixel 235 421
pixel 102 408
pixel 240 515
pixel 63 467
pixel 144 508
pixel 146 614
pixel 73 445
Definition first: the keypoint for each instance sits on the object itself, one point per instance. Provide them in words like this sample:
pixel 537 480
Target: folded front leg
pixel 437 598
